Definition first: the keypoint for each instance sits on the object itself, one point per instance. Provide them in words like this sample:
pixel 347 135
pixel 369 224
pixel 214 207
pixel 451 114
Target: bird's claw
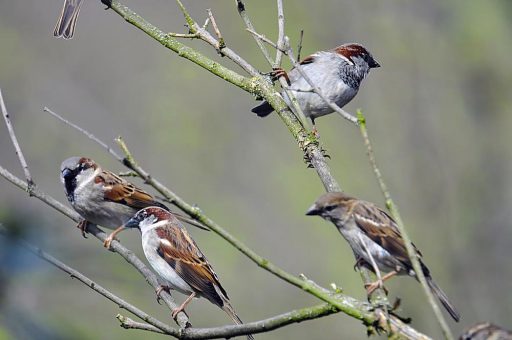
pixel 278 73
pixel 324 153
pixel 108 241
pixel 159 291
pixel 371 287
pixel 360 263
pixel 82 225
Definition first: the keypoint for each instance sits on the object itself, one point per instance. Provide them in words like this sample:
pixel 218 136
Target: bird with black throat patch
pixel 338 74
pixel 103 198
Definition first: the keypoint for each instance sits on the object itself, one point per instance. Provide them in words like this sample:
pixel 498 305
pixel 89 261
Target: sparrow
pixel 486 331
pixel 65 26
pixel 175 256
pixel 337 73
pixel 374 238
pixel 103 198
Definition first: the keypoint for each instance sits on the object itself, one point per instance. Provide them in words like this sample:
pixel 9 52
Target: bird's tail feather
pixel 443 299
pixel 65 27
pixel 263 110
pixel 236 319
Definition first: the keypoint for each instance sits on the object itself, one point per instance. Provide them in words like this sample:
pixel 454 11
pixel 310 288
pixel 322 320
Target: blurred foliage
pixel 439 115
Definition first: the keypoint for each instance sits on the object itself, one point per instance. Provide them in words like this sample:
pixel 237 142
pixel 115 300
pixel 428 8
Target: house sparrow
pixel 174 255
pixel 486 331
pixel 101 197
pixel 338 73
pixel 370 230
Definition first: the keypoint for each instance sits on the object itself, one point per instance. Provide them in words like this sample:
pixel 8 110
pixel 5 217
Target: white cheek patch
pixel 348 60
pixel 86 181
pixel 148 223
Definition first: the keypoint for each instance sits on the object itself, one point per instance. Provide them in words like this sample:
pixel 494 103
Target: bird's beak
pixel 66 173
pixel 374 64
pixel 313 210
pixel 132 223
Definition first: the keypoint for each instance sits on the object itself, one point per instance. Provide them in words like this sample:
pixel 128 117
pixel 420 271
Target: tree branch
pixel 256 85
pixel 245 18
pixel 411 252
pixel 280 34
pixel 75 274
pixel 229 331
pixel 26 171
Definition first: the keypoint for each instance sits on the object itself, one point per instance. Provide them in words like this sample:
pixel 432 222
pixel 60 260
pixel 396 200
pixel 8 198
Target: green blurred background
pixel 438 112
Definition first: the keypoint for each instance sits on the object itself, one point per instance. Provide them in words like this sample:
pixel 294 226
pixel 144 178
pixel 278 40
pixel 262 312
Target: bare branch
pixel 243 14
pixel 263 38
pixel 280 35
pixel 411 252
pixel 220 44
pixel 26 171
pixel 183 35
pixel 229 331
pixel 299 47
pixel 75 274
pixel 128 323
pixel 85 132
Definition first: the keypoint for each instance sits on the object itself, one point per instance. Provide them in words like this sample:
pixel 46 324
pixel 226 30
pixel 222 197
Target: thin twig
pixel 299 47
pixel 26 171
pixel 85 132
pixel 75 274
pixel 280 34
pixel 127 174
pixel 411 252
pixel 382 298
pixel 221 44
pixel 183 35
pixel 229 331
pixel 92 229
pixel 202 33
pixel 263 38
pixel 294 107
pixel 128 323
pixel 243 14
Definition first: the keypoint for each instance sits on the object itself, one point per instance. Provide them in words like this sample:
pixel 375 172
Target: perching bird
pixel 370 230
pixel 174 255
pixel 101 197
pixel 337 73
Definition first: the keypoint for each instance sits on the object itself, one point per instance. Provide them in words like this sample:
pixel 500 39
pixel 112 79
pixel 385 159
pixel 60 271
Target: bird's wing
pixel 382 229
pixel 123 192
pixel 182 254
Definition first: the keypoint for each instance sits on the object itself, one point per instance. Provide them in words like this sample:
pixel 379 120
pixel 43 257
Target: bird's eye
pixel 330 208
